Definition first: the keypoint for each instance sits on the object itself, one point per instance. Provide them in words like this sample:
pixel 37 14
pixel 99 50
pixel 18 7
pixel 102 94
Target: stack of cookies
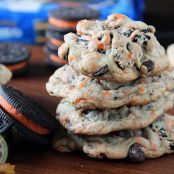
pixel 115 91
pixel 61 21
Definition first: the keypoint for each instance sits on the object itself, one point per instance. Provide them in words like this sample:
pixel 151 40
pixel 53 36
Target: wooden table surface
pixel 31 159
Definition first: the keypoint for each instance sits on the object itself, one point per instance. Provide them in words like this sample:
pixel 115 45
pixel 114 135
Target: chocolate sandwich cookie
pixel 66 18
pixel 50 49
pixel 54 61
pixel 29 118
pixel 55 38
pixel 15 57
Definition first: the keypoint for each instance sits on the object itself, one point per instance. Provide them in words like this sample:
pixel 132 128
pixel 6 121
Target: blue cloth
pixel 132 8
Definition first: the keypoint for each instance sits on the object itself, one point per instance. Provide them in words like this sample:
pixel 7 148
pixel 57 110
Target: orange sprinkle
pixel 100 46
pixel 78 100
pixel 83 83
pixel 153 147
pixel 141 90
pixel 106 93
pixel 120 16
pixel 130 56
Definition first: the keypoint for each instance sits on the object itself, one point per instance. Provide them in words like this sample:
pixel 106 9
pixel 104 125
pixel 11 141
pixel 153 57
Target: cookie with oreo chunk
pixel 66 18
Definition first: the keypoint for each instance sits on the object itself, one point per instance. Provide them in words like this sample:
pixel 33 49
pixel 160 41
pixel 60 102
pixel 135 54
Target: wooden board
pixel 30 159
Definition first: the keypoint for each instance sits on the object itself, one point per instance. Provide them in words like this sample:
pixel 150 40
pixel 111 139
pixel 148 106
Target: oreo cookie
pixel 55 62
pixel 54 34
pixel 15 57
pixel 29 118
pixel 50 49
pixel 5 122
pixel 55 38
pixel 66 18
pixel 74 13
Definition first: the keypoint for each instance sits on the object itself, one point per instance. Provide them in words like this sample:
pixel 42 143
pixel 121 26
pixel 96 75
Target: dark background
pixel 160 13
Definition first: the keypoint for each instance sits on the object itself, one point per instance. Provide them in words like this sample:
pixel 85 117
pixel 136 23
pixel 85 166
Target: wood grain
pixel 31 159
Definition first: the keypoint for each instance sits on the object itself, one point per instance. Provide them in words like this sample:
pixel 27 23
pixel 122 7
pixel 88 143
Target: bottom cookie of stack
pixel 151 142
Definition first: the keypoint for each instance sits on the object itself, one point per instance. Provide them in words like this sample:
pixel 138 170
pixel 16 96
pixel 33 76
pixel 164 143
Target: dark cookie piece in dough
pixel 136 155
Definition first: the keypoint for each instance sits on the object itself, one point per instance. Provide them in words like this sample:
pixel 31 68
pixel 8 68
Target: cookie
pixel 5 74
pixel 111 56
pixel 28 114
pixel 151 142
pixel 48 49
pixel 15 57
pixel 67 17
pixel 89 93
pixel 55 38
pixel 95 122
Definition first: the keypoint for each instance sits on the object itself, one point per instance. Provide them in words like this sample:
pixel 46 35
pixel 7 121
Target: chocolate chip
pixel 136 155
pixel 149 65
pixel 128 32
pixel 101 51
pixel 148 37
pixel 102 155
pixel 82 40
pixel 145 30
pixel 172 146
pixel 101 71
pixel 137 38
pixel 66 55
pixel 118 64
pixel 100 37
pixel 128 46
pixel 162 132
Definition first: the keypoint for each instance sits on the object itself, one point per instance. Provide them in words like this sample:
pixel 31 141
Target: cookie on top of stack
pixel 115 91
pixel 61 21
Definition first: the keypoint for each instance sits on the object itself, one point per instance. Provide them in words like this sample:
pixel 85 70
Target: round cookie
pixel 154 59
pixel 90 93
pixel 151 142
pixel 96 122
pixel 55 38
pixel 26 133
pixel 30 115
pixel 15 57
pixel 111 56
pixel 67 17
